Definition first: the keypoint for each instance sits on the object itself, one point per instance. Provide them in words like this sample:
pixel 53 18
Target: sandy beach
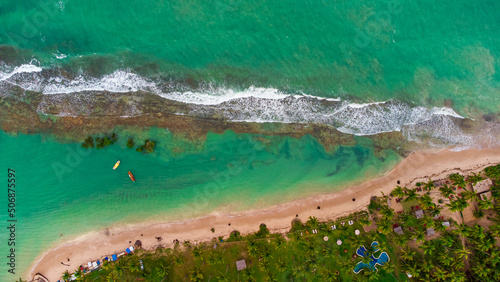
pixel 418 166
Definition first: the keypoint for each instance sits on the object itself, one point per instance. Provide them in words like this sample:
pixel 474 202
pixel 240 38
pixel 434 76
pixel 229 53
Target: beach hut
pixel 129 249
pixel 431 232
pixel 398 230
pixel 241 264
pixel 446 224
pixel 114 257
pixel 419 213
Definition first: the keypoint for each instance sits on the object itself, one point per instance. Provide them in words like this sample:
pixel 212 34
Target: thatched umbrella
pixel 138 244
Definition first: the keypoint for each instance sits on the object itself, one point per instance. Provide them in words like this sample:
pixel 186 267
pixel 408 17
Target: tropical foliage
pixel 465 251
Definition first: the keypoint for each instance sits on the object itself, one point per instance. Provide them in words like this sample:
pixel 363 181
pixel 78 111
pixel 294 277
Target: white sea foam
pixel 26 68
pixel 222 95
pixel 118 81
pixel 60 56
pixel 258 104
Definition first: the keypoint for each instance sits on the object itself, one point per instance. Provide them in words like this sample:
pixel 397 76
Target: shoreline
pixel 416 167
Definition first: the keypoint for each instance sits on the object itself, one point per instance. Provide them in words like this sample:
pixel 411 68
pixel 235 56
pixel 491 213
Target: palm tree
pixel 328 275
pixel 298 270
pixel 447 239
pixel 280 242
pixel 398 192
pixel 469 195
pixel 78 274
pixel 481 271
pixel 179 260
pixel 458 276
pixel 197 254
pixel 428 247
pixel 401 240
pixel 66 276
pixel 196 275
pixel 495 229
pixel 478 213
pixel 387 212
pixel 463 230
pixel 365 222
pixel 485 204
pixel 457 205
pixel 281 265
pixel 271 277
pixel 384 226
pixel 264 265
pixel 248 275
pixel 134 264
pixel 458 180
pixel 414 270
pixel 411 196
pixel 446 191
pixel 418 235
pixel 463 253
pixel 439 274
pixel 493 172
pixel 426 202
pixel 222 277
pixel 389 268
pixel 113 276
pixel 163 270
pixel 445 259
pixel 214 258
pixel 429 185
pixel 475 178
pixel 252 248
pixel 312 222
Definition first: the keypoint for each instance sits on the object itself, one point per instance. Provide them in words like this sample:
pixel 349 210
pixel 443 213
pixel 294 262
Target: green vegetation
pixel 465 251
pixel 100 142
pixel 130 143
pixel 148 147
pixel 88 143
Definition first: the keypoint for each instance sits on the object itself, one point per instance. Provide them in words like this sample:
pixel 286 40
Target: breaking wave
pixel 257 104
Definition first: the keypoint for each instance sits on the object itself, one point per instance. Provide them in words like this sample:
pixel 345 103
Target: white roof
pixel 131 248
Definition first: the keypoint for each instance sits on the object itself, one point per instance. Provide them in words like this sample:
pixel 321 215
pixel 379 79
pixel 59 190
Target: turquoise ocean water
pixel 424 62
pixel 63 189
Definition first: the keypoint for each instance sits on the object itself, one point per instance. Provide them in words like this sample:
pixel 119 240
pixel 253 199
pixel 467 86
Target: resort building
pixel 482 189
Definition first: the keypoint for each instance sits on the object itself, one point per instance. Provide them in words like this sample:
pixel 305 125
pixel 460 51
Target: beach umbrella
pixel 325 238
pixel 339 242
pixel 356 232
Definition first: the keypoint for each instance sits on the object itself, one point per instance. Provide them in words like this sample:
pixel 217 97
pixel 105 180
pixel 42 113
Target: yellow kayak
pixel 116 165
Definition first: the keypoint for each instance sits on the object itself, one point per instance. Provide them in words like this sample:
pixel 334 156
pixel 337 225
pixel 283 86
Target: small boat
pixel 116 165
pixel 131 176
